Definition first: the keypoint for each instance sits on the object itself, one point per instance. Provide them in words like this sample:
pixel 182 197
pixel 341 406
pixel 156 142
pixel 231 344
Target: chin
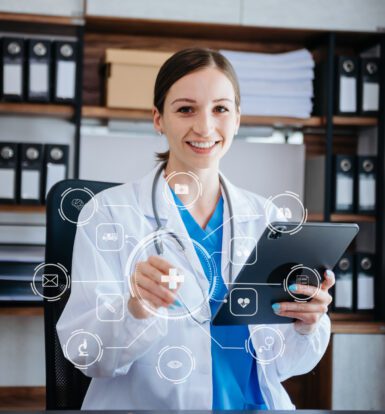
pixel 204 164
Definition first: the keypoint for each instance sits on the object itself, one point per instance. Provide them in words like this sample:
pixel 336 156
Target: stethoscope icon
pixel 269 342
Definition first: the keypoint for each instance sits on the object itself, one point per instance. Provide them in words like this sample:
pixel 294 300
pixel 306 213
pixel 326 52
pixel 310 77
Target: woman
pixel 148 303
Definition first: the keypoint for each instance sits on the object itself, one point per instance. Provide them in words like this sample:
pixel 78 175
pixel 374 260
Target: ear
pixel 238 120
pixel 157 119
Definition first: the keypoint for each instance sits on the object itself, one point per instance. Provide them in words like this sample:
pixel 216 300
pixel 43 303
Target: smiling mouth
pixel 202 145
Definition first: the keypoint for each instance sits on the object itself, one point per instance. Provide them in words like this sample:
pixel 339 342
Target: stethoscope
pixel 160 229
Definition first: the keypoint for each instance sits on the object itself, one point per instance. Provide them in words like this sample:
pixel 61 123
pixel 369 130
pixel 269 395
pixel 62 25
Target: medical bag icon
pixel 181 189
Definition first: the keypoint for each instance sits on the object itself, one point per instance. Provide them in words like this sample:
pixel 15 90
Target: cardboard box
pixel 131 77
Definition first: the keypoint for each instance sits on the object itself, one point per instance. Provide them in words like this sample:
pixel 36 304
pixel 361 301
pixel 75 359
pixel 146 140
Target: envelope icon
pixel 50 280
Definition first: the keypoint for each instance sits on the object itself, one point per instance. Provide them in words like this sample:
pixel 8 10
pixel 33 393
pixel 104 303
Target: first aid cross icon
pixel 172 278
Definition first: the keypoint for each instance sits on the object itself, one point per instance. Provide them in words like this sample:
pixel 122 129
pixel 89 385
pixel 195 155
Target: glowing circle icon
pixel 302 276
pixel 284 207
pixel 191 298
pixel 50 281
pixel 83 349
pixel 175 364
pixel 182 189
pixel 270 344
pixel 73 201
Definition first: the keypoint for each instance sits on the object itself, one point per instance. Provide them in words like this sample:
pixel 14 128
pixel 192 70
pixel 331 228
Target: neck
pixel 208 179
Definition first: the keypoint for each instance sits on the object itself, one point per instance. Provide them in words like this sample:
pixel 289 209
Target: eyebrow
pixel 193 101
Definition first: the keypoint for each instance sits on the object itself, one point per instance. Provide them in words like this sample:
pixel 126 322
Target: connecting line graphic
pixel 230 218
pixel 132 342
pixel 220 346
pixel 97 281
pixel 249 284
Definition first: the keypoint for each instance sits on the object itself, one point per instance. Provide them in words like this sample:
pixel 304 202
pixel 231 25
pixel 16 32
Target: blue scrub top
pixel 234 371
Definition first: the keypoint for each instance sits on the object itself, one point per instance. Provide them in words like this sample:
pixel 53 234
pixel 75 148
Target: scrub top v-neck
pixel 234 371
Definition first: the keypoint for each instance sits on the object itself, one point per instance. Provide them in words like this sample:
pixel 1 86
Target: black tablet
pixel 286 254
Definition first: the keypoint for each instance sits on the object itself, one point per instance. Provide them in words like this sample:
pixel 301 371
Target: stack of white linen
pixel 274 84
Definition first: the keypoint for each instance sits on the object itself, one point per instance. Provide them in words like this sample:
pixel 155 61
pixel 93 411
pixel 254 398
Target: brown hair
pixel 181 64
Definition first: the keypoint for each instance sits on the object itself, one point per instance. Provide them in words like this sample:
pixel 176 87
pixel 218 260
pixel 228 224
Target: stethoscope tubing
pixel 159 244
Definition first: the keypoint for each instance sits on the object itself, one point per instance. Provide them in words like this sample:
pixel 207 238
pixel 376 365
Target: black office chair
pixel 66 386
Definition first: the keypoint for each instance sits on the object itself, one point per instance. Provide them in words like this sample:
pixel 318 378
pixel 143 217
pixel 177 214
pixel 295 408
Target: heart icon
pixel 243 302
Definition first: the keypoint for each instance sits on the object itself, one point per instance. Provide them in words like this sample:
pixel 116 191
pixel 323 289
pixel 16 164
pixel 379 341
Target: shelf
pixel 18 208
pixel 343 218
pixel 221 31
pixel 353 218
pixel 314 121
pixel 22 311
pixel 110 113
pixel 351 316
pixel 38 109
pixel 353 121
pixel 358 327
pixel 281 121
pixel 44 19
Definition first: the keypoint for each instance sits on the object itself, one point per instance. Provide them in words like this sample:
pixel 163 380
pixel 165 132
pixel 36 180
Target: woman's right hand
pixel 147 286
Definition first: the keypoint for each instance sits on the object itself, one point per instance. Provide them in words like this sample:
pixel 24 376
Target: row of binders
pixel 38 70
pixel 357 86
pixel 354 182
pixel 355 282
pixel 28 171
pixel 279 84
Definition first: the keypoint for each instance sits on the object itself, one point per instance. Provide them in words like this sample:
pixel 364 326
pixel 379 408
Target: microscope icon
pixel 82 349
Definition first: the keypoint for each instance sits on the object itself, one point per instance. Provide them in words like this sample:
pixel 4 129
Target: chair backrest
pixel 66 386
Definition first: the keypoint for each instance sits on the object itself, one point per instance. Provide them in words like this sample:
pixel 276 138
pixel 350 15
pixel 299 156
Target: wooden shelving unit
pixel 100 33
pixel 38 109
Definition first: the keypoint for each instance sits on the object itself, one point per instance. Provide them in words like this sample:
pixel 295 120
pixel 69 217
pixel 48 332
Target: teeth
pixel 207 144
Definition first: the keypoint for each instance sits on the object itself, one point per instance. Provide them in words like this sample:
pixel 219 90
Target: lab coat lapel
pixel 249 222
pixel 170 219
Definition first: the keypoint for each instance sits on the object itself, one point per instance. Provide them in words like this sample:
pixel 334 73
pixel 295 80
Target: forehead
pixel 203 84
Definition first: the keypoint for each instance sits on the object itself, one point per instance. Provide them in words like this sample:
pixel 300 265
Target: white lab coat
pixel 125 377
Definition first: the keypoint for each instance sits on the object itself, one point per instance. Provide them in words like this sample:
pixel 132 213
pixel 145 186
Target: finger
pixel 154 301
pixel 329 280
pixel 157 290
pixel 150 271
pixel 299 307
pixel 160 263
pixel 308 318
pixel 164 271
pixel 311 292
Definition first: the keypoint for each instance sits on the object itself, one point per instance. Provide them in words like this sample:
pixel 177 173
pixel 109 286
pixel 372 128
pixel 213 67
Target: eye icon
pixel 174 364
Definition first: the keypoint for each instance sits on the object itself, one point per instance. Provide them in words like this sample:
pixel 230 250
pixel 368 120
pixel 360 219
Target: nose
pixel 204 125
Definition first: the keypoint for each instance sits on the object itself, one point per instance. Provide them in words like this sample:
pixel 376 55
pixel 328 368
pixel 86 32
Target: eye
pixel 220 108
pixel 175 364
pixel 185 109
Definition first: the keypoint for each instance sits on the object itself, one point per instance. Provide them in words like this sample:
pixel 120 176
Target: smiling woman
pixel 162 350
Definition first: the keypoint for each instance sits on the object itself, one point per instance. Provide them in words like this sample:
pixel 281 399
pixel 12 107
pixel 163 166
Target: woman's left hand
pixel 308 313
